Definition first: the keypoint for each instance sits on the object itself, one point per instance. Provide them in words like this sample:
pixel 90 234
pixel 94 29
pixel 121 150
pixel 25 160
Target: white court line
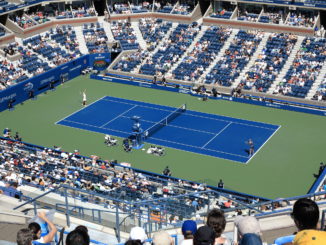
pixel 120 115
pixel 263 144
pixel 175 126
pixel 190 114
pixel 80 110
pixel 216 135
pixel 95 127
pixel 198 147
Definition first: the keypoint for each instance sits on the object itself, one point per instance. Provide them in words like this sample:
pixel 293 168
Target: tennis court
pixel 192 131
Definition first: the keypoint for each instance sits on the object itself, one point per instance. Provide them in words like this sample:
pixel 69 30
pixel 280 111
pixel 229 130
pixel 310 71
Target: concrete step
pixel 287 65
pixel 219 55
pixel 262 44
pixel 81 40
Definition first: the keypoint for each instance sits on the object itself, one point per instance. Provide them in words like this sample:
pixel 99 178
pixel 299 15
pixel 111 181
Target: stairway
pixel 140 39
pixel 287 65
pixel 107 29
pixel 252 60
pixel 80 38
pixel 219 56
pixel 189 49
pixel 321 77
pixel 166 37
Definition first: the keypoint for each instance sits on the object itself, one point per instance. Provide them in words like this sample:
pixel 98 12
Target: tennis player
pixel 251 147
pixel 84 98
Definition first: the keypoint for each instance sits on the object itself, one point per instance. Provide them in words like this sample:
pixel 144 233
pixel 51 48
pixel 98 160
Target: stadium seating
pixel 66 36
pixel 305 68
pixel 95 37
pixel 270 62
pixel 223 14
pixel 154 30
pixel 22 21
pixel 236 57
pixel 171 50
pixel 130 61
pixel 203 54
pixel 306 19
pixel 2 31
pixel 183 9
pixel 125 34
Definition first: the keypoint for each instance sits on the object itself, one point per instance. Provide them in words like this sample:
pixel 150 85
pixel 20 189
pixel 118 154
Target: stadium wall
pixel 48 80
pixel 249 99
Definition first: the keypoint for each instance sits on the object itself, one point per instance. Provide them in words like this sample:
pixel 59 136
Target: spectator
pixel 189 228
pixel 24 237
pixel 138 233
pixel 205 235
pixel 162 238
pixel 306 215
pixel 217 222
pixel 36 230
pixel 248 230
pixel 79 236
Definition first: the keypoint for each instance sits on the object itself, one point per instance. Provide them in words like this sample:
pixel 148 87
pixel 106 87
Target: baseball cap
pixel 189 225
pixel 205 235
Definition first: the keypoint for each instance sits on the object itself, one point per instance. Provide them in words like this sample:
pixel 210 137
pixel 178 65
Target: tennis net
pixel 150 131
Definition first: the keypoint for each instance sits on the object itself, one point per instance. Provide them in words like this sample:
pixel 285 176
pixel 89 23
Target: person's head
pixel 82 228
pixel 305 214
pixel 247 224
pixel 251 239
pixel 189 228
pixel 216 220
pixel 138 233
pixel 78 237
pixel 205 235
pixel 162 238
pixel 24 237
pixel 133 242
pixel 35 228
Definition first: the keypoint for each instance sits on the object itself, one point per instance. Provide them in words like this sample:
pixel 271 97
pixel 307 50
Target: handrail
pixel 36 198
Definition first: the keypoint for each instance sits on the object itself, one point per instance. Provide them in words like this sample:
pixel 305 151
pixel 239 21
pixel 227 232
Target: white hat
pixel 247 224
pixel 138 233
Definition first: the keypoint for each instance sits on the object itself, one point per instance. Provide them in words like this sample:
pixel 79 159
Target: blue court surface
pixel 193 131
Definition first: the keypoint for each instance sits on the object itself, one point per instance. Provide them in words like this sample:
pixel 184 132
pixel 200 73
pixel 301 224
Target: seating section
pixel 48 48
pixel 236 57
pixel 130 61
pixel 171 50
pixel 320 94
pixel 31 63
pixel 77 13
pixel 120 8
pixel 141 8
pixel 125 34
pixel 183 9
pixel 2 31
pixel 248 17
pixel 165 9
pixel 222 14
pixel 154 30
pixel 10 74
pixel 66 37
pixel 304 19
pixel 6 6
pixel 95 38
pixel 203 54
pixel 270 62
pixel 272 18
pixel 55 167
pixel 23 21
pixel 305 68
pixel 39 17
